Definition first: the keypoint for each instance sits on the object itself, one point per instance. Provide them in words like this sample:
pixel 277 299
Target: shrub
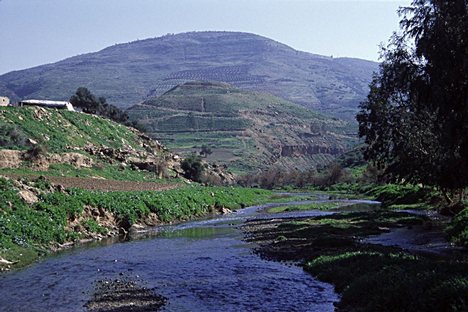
pixel 11 136
pixel 193 168
pixel 457 230
pixel 35 152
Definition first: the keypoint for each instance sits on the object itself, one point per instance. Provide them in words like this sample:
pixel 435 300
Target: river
pixel 198 266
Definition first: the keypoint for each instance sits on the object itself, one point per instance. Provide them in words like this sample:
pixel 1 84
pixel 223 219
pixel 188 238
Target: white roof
pixel 48 103
pixel 45 102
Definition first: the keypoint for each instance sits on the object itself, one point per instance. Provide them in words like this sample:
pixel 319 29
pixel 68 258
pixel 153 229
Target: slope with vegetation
pixel 244 130
pixel 128 73
pixel 68 176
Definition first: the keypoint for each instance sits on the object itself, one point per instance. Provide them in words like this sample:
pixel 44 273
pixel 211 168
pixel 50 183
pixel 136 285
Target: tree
pixel 205 151
pixel 415 119
pixel 84 99
pixel 193 167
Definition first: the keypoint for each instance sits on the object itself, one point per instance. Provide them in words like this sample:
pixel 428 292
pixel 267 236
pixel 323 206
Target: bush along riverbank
pixel 410 197
pixel 37 217
pixel 369 277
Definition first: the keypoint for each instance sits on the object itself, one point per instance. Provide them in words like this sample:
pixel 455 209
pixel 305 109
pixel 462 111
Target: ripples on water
pixel 198 266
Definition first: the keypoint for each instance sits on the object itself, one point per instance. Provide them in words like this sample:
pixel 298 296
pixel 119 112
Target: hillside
pixel 59 143
pixel 246 130
pixel 127 74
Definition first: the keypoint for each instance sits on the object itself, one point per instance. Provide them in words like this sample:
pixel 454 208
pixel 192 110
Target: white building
pixel 49 104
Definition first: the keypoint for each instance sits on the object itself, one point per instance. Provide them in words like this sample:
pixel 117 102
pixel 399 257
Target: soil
pixel 96 184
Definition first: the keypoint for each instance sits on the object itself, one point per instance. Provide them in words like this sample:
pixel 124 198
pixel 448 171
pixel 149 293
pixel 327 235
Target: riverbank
pixel 369 277
pixel 37 217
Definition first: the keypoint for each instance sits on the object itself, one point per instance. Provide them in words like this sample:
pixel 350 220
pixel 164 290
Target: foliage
pixel 193 167
pixel 35 151
pixel 57 130
pixel 312 206
pixel 276 177
pixel 457 230
pixel 178 119
pixel 92 226
pixel 11 136
pixel 84 99
pixel 397 194
pixel 386 281
pixel 415 118
pixel 205 150
pixel 44 223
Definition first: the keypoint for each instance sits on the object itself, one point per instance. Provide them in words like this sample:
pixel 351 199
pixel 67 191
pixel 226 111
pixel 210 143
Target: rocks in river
pixel 121 295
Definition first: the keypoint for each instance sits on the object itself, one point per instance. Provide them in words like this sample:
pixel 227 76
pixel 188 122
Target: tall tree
pixel 415 119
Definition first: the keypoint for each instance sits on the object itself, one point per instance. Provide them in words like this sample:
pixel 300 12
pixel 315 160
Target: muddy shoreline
pixel 357 250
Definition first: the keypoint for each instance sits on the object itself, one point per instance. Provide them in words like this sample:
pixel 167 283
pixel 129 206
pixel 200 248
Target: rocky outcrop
pixel 15 159
pixel 10 158
pixel 308 150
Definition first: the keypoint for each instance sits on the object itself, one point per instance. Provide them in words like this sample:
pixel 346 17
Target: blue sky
pixel 35 32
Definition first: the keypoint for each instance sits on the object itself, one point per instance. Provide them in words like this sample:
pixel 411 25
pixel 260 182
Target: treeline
pixel 415 118
pixel 89 103
pixel 333 174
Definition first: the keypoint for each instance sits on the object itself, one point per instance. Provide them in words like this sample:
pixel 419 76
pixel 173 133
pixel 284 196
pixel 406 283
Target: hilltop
pixel 129 73
pixel 246 130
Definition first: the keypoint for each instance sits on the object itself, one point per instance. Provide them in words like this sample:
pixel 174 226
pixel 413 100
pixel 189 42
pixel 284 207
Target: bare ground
pixel 96 184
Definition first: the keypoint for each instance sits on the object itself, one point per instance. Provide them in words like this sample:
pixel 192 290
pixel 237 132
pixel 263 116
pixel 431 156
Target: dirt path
pixel 95 184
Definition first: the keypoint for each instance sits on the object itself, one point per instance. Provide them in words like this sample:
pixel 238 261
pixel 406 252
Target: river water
pixel 198 266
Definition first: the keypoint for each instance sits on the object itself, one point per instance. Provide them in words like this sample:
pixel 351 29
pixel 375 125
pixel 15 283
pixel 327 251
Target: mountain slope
pixel 246 130
pixel 128 73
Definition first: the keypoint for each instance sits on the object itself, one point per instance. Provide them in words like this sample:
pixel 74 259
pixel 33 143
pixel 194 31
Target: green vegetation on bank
pixel 458 228
pixel 387 280
pixel 311 206
pixel 368 277
pixel 37 227
pixel 108 172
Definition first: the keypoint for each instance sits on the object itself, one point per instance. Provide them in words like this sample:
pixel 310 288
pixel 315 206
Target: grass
pixel 312 206
pixel 389 281
pixel 457 230
pixel 106 171
pixel 240 126
pixel 57 130
pixel 370 277
pixel 39 226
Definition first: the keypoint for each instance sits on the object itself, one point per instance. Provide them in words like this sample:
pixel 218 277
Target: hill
pixel 36 140
pixel 127 74
pixel 246 130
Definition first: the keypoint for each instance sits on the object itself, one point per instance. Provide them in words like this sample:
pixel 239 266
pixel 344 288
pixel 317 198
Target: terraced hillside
pixel 127 74
pixel 246 130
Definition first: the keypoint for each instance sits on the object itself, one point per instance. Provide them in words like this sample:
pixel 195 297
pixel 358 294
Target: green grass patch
pixel 457 230
pixel 312 206
pixel 387 281
pixel 397 194
pixel 57 130
pixel 37 226
pixel 370 277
